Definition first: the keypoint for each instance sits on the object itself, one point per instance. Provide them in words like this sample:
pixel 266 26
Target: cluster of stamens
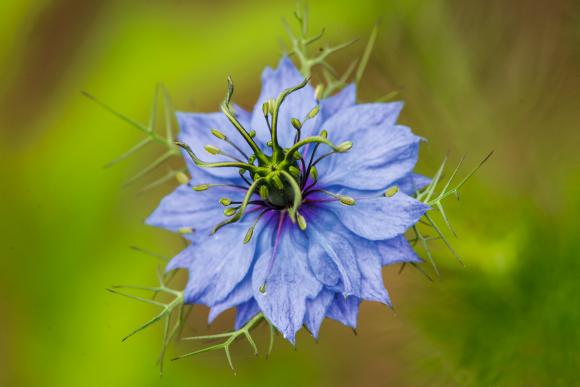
pixel 283 179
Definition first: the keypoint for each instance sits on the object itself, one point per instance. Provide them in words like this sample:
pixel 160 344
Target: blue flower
pixel 291 218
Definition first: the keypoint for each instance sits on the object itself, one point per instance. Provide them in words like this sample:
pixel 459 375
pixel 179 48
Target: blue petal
pixel 316 311
pixel 344 310
pixel 296 105
pixel 241 294
pixel 343 99
pixel 217 265
pixel 196 132
pixel 380 155
pixel 185 207
pixel 397 250
pixel 245 312
pixel 412 183
pixel 332 248
pixel 288 284
pixel 380 218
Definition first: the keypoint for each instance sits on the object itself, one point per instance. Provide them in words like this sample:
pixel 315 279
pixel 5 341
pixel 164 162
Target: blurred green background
pixel 475 75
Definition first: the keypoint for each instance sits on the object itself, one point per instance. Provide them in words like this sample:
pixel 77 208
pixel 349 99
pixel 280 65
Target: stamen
pixel 230 211
pixel 223 137
pixel 313 112
pixel 250 231
pixel 225 201
pixel 343 199
pixel 391 191
pixel 203 164
pixel 182 178
pixel 242 208
pixel 301 222
pixel 341 148
pixel 205 187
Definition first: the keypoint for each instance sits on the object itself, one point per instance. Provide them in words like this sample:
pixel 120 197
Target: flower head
pixel 296 211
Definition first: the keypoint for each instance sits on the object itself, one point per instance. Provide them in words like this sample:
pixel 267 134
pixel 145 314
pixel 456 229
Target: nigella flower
pixel 302 203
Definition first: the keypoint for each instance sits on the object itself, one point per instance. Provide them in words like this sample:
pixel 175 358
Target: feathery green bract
pixel 435 200
pixel 152 136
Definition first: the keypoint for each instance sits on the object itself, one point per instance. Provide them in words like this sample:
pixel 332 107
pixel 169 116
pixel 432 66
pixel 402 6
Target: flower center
pixel 282 178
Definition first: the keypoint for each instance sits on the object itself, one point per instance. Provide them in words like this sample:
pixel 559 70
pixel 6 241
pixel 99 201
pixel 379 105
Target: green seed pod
pixel 278 182
pixel 294 171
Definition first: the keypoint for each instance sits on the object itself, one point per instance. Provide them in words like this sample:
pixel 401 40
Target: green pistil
pixel 279 178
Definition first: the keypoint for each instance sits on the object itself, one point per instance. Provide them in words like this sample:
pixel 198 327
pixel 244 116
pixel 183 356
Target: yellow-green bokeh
pixel 476 76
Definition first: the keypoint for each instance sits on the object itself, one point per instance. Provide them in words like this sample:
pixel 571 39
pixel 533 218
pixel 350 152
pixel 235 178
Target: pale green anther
pixel 269 143
pixel 347 200
pixel 344 147
pixel 324 133
pixel 201 187
pixel 296 124
pixel 182 178
pixel 314 173
pixel 297 155
pixel 218 134
pixel 212 149
pixel 264 192
pixel 225 201
pixel 251 159
pixel 301 222
pixel 313 112
pixel 252 133
pixel 391 191
pixel 318 92
pixel 262 289
pixel 277 182
pixel 265 108
pixel 271 105
pixel 185 230
pixel 249 234
pixel 229 211
pixel 294 171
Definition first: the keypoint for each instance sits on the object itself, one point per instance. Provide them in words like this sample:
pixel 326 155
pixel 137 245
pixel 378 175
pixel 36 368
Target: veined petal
pixel 245 312
pixel 412 183
pixel 241 294
pixel 379 218
pixel 195 131
pixel 296 105
pixel 185 207
pixel 344 310
pixel 380 155
pixel 217 265
pixel 288 282
pixel 333 248
pixel 316 311
pixel 396 250
pixel 343 99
